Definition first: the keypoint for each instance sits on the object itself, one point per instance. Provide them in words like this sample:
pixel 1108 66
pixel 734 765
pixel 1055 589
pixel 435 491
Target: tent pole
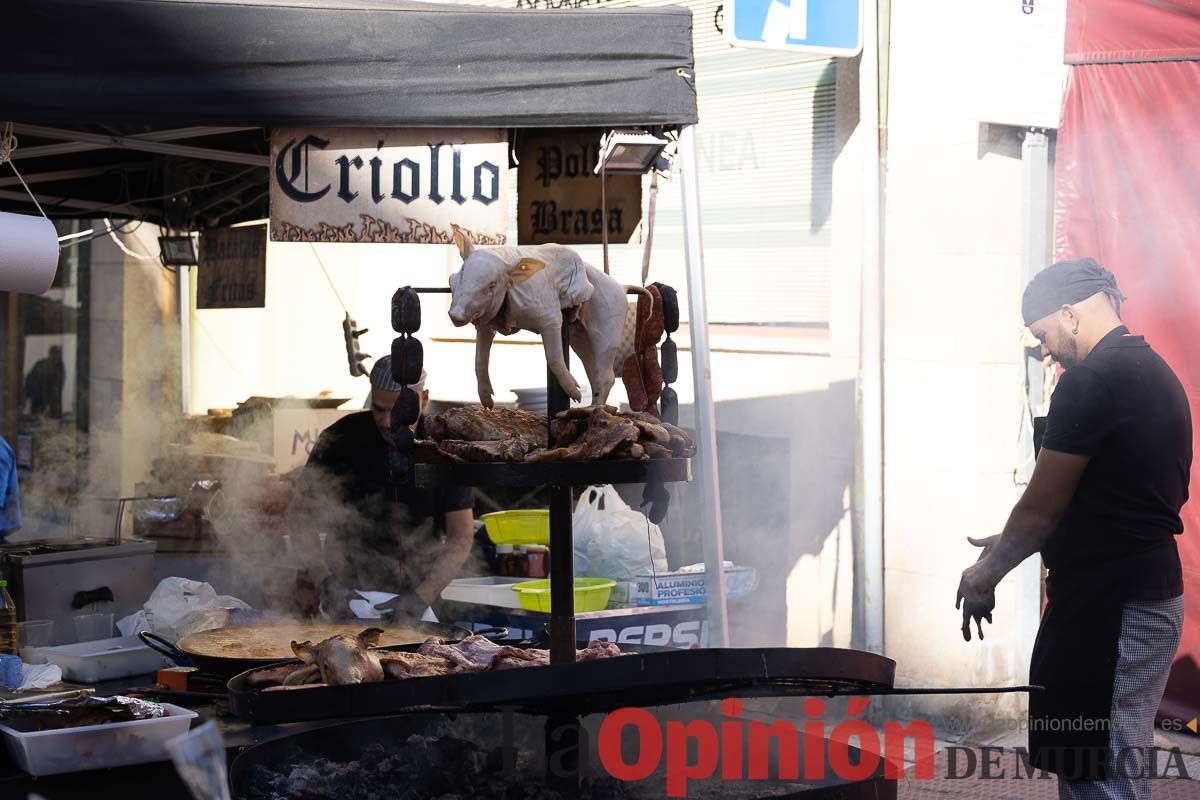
pixel 705 417
pixel 185 338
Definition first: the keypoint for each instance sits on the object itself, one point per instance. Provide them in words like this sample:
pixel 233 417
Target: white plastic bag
pixel 171 610
pixel 613 540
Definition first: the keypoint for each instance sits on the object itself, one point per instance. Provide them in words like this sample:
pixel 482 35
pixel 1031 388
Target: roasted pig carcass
pixel 343 659
pixel 478 424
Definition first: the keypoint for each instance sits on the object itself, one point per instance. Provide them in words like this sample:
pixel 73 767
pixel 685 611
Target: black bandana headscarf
pixel 1065 283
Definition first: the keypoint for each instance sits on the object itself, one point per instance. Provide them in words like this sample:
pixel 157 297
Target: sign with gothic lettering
pixel 233 268
pixel 558 191
pixel 405 185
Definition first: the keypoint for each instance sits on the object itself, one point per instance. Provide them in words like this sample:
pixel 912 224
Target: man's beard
pixel 1068 354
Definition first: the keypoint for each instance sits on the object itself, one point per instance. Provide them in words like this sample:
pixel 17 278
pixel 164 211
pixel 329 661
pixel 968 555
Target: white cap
pixel 381 376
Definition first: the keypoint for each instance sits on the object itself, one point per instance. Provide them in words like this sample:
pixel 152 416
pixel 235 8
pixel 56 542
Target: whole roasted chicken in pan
pixel 345 659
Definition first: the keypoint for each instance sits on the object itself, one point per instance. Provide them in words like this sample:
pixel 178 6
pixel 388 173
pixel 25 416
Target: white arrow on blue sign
pixel 825 27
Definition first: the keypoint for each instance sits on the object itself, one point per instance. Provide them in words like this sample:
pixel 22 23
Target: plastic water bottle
pixel 8 622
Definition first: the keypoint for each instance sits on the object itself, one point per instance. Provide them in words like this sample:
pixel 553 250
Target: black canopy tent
pixel 122 107
pixel 120 68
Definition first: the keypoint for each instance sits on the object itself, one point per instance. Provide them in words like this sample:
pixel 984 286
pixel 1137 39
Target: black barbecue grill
pixel 646 676
pixel 563 694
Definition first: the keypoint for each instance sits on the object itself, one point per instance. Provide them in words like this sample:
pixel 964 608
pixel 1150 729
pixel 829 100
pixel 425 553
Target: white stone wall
pixel 953 370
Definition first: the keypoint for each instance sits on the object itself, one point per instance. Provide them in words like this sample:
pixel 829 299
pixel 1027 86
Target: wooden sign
pixel 233 268
pixel 558 191
pixel 403 185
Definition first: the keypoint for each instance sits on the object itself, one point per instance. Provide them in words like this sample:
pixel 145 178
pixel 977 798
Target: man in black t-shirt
pixel 379 537
pixel 1102 508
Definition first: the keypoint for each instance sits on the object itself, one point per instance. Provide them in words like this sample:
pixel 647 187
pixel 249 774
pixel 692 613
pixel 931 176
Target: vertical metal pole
pixel 1035 206
pixel 870 380
pixel 185 338
pixel 708 479
pixel 12 366
pixel 562 567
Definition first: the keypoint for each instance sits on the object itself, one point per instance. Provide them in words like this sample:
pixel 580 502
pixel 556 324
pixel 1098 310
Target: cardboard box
pixel 675 588
pixel 286 428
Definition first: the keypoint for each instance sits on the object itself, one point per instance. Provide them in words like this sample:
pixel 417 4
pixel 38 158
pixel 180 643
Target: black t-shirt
pixel 377 538
pixel 1124 408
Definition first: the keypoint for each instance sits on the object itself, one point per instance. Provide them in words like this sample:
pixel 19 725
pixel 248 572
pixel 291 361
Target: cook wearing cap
pixel 378 536
pixel 1102 509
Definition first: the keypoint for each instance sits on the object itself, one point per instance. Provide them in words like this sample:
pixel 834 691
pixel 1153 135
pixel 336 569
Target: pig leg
pixel 483 351
pixel 581 343
pixel 552 342
pixel 604 378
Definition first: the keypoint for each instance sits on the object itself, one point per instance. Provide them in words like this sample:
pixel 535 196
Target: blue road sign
pixel 827 27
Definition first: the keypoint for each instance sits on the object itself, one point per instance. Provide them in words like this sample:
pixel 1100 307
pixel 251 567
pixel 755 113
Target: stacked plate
pixel 534 399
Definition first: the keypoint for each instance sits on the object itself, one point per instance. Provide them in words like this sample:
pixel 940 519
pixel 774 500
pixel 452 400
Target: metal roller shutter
pixel 766 148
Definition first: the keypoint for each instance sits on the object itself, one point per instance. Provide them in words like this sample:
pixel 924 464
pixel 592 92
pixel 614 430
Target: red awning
pixel 1110 31
pixel 1127 192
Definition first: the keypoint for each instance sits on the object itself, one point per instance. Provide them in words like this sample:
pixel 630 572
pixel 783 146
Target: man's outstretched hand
pixel 976 593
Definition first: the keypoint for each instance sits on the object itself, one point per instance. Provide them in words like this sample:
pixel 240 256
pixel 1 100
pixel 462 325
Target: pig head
pixel 505 289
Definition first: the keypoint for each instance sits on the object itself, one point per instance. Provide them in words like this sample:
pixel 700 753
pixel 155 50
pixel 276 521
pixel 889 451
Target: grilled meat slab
pixel 478 424
pixel 488 451
pixel 605 432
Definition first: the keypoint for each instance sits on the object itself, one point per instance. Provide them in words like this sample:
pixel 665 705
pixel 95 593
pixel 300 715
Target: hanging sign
pixel 233 268
pixel 820 27
pixel 404 185
pixel 558 191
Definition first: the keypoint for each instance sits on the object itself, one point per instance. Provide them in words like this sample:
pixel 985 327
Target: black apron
pixel 1075 659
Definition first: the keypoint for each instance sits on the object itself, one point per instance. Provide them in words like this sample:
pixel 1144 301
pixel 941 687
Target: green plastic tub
pixel 591 594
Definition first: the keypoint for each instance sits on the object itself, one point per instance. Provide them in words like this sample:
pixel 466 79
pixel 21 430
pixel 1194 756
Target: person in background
pixel 379 537
pixel 1102 508
pixel 44 385
pixel 10 502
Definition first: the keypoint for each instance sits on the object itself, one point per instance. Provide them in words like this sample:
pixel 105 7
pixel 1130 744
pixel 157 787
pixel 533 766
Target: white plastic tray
pixel 97 746
pixel 100 660
pixel 488 591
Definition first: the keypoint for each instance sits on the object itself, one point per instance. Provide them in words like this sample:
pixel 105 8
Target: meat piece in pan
pixel 596 650
pixel 309 673
pixel 534 658
pixel 412 665
pixel 457 661
pixel 344 659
